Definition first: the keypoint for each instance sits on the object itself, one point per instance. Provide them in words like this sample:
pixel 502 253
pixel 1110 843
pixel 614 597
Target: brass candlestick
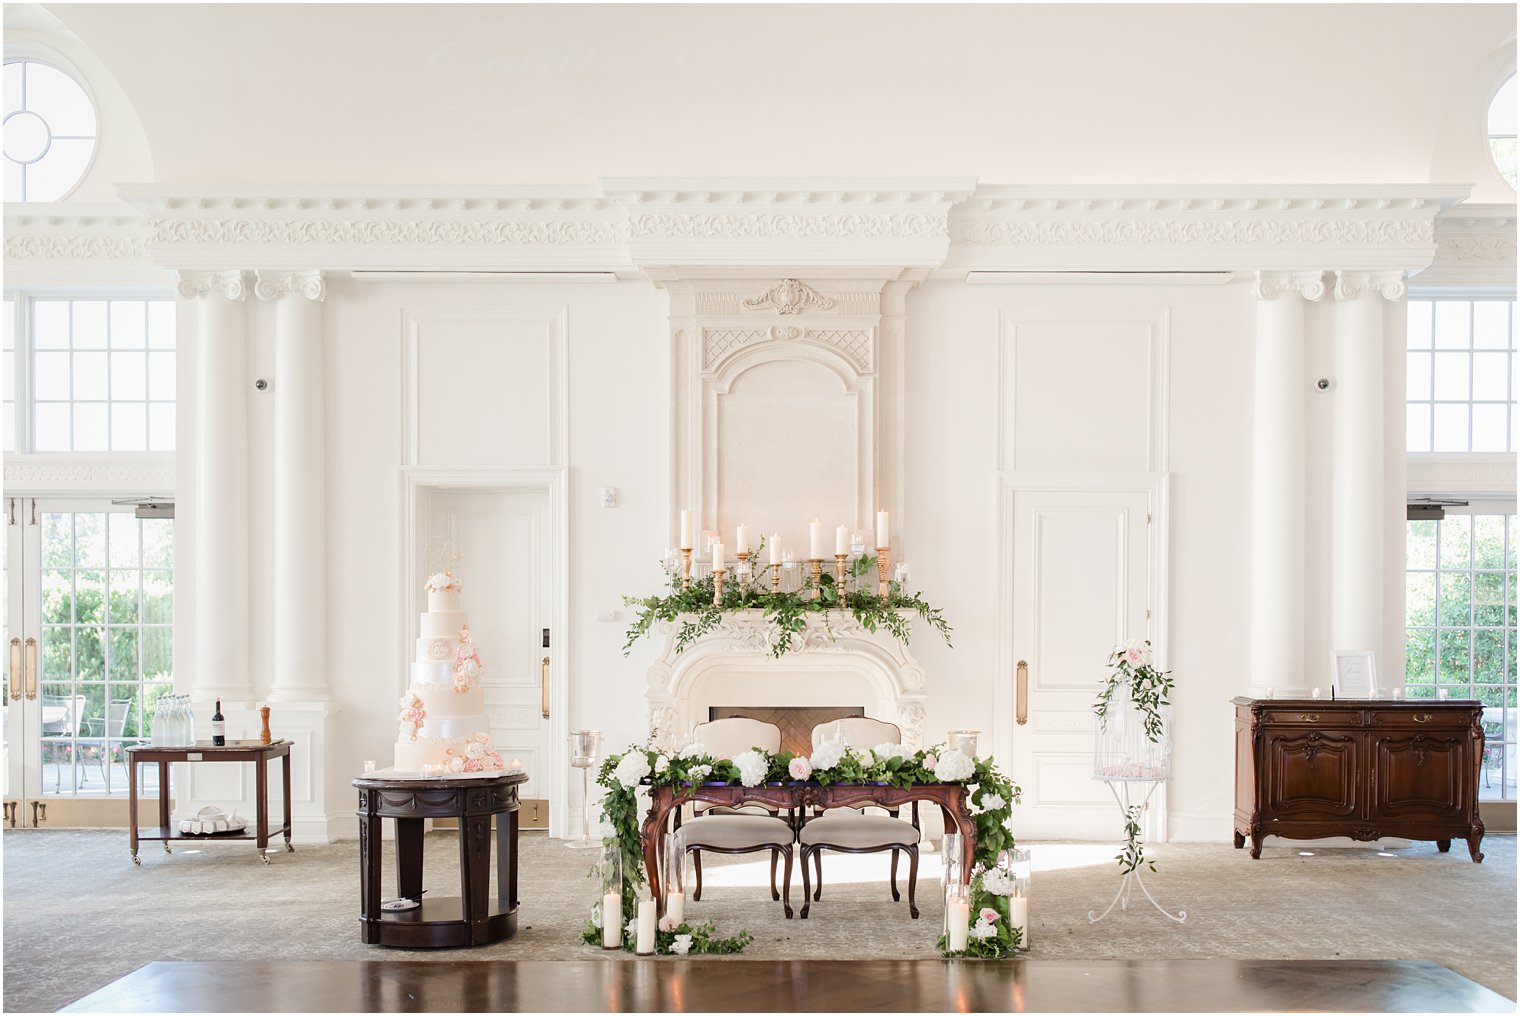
pixel 743 570
pixel 775 578
pixel 881 571
pixel 685 567
pixel 815 565
pixel 839 567
pixel 717 587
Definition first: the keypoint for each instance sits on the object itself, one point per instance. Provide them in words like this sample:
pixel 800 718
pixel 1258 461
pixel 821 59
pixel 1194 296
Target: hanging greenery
pixel 1132 669
pixel 694 612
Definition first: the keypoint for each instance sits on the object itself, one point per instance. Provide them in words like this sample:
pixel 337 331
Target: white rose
pixel 405 701
pixel 981 929
pixel 887 751
pixel 828 754
pixel 476 750
pixel 682 945
pixel 662 763
pixel 700 772
pixel 456 764
pixel 992 802
pixel 752 766
pixel 605 830
pixel 693 750
pixel 953 766
pixel 631 768
pixel 633 927
pixel 469 668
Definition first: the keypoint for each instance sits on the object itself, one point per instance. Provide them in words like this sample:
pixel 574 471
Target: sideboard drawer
pixel 1310 717
pixel 1417 718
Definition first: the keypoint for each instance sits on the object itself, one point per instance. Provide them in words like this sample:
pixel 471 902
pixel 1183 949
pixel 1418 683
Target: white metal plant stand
pixel 1125 755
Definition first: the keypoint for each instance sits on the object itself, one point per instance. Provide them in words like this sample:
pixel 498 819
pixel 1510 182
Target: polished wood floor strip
pixel 739 985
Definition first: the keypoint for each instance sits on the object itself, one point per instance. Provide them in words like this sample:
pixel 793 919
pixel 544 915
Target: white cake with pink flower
pixel 443 723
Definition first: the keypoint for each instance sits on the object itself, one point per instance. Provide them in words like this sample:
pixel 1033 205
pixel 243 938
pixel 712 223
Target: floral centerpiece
pixel 831 762
pixel 1135 686
pixel 694 608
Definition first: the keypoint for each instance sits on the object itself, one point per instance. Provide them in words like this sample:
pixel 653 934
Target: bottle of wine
pixel 218 726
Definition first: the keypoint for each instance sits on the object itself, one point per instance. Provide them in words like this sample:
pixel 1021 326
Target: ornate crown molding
pixel 1353 285
pixel 1271 285
pixel 63 244
pixel 1475 245
pixel 273 285
pixel 1461 475
pixel 149 473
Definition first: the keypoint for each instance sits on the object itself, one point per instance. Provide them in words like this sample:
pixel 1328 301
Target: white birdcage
pixel 1122 747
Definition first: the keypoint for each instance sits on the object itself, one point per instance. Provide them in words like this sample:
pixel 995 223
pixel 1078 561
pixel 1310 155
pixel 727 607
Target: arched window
pixel 1501 129
pixel 50 130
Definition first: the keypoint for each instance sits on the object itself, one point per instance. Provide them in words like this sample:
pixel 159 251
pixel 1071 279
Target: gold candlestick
pixel 839 566
pixel 775 578
pixel 743 570
pixel 881 571
pixel 685 567
pixel 717 587
pixel 815 565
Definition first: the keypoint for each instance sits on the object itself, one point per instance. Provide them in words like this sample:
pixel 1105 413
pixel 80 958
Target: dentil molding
pixel 629 226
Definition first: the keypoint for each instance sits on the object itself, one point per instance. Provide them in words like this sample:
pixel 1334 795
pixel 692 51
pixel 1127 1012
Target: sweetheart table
pixel 795 798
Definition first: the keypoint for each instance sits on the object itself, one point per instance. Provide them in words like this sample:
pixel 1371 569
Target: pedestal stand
pixel 584 745
pixel 1132 878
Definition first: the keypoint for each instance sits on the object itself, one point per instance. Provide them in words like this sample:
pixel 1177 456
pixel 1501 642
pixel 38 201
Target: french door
pixel 89 606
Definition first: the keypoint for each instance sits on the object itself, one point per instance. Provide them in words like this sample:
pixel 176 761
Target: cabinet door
pixel 1420 775
pixel 1311 775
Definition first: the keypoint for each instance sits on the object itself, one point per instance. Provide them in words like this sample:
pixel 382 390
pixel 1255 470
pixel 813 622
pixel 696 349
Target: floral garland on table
pixel 693 608
pixel 831 762
pixel 1131 666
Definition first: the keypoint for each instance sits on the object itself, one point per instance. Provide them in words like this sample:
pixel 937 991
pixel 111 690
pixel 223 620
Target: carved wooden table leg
pixel 409 858
pixel 1475 837
pixel 1240 840
pixel 475 869
pixel 369 869
pixel 132 808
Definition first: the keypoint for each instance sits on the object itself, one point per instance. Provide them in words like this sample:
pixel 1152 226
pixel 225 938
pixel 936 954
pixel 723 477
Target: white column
pixel 1357 508
pixel 1277 479
pixel 221 486
pixel 300 478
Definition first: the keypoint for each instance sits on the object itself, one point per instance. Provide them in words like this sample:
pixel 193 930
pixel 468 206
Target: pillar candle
pixel 881 530
pixel 815 540
pixel 675 907
pixel 842 540
pixel 686 531
pixel 644 943
pixel 1315 693
pixel 741 539
pixel 612 921
pixel 960 925
pixel 775 548
pixel 1018 917
pixel 717 556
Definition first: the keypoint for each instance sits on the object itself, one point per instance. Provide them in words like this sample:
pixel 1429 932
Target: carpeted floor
pixel 78 914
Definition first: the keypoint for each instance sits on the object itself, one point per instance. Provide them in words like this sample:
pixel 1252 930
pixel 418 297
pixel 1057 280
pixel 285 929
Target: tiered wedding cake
pixel 443 713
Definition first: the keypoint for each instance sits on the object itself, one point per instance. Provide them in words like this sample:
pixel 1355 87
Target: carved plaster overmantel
pixel 838 664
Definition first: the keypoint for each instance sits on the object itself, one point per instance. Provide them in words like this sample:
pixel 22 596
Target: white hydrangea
pixel 662 763
pixel 953 766
pixel 700 772
pixel 887 751
pixel 631 768
pixel 828 754
pixel 997 883
pixel 752 766
pixel 682 945
pixel 981 929
pixel 605 830
pixel 992 802
pixel 693 750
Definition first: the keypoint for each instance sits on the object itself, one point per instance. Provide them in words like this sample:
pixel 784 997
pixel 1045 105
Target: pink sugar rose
pixel 800 768
pixel 988 914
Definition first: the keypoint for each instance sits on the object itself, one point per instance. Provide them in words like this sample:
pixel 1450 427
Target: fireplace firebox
pixel 796 722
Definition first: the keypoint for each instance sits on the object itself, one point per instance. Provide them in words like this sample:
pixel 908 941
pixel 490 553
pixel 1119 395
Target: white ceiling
pixel 500 94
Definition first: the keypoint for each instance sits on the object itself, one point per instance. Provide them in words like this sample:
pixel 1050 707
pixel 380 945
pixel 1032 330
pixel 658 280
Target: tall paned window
pixel 1460 640
pixel 1460 376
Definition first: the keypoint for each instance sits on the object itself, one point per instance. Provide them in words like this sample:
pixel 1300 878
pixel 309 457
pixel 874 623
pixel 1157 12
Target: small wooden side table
pixel 257 752
pixel 470 918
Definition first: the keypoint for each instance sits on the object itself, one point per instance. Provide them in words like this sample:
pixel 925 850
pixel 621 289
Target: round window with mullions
pixel 1501 129
pixel 50 130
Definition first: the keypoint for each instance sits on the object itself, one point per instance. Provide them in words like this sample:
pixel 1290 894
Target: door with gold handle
pixel 1021 696
pixel 15 669
pixel 31 669
pixel 544 687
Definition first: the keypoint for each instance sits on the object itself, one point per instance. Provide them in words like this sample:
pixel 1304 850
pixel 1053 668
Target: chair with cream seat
pixel 739 830
pixel 849 831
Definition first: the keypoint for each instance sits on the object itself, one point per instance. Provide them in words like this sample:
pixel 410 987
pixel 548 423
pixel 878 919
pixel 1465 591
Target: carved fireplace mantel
pixel 838 663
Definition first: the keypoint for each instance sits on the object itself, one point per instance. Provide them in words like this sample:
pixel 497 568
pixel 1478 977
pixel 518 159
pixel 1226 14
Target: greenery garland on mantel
pixel 992 794
pixel 695 614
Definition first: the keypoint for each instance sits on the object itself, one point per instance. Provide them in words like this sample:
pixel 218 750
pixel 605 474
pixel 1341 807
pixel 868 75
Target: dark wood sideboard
pixel 1306 768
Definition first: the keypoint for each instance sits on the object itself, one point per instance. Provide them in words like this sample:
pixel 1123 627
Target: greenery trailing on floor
pixel 1133 854
pixel 993 796
pixel 1133 675
pixel 696 615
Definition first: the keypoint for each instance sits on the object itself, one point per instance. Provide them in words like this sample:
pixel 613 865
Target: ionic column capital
pixel 232 285
pixel 1271 285
pixel 1352 285
pixel 273 285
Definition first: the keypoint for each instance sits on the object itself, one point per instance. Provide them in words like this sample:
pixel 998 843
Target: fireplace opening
pixel 795 722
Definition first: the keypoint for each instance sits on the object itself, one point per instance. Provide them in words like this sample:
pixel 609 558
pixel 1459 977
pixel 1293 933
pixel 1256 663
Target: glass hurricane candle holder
pixel 957 917
pixel 612 895
pixel 964 741
pixel 1019 867
pixel 673 877
pixel 950 870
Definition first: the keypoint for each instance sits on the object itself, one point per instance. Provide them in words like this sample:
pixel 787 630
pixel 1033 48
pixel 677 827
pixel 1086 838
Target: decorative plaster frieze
pixel 1352 285
pixel 232 285
pixel 789 296
pixel 1475 245
pixel 74 245
pixel 273 285
pixel 65 474
pixel 1469 475
pixel 1271 285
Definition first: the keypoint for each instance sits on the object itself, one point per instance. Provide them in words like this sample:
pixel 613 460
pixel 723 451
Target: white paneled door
pixel 1082 582
pixel 505 539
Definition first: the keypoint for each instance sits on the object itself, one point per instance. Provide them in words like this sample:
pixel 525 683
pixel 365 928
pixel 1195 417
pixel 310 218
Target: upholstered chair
pixel 742 830
pixel 850 831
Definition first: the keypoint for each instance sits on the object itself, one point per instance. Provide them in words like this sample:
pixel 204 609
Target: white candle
pixel 686 531
pixel 644 943
pixel 1269 691
pixel 1018 917
pixel 842 540
pixel 815 540
pixel 1314 694
pixel 1398 693
pixel 675 907
pixel 741 539
pixel 612 921
pixel 717 557
pixel 881 530
pixel 960 925
pixel 775 548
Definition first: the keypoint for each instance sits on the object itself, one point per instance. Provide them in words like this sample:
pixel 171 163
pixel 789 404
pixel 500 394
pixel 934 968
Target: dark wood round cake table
pixel 472 917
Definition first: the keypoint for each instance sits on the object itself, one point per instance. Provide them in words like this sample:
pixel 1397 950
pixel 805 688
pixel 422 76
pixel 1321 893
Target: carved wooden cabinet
pixel 1306 768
